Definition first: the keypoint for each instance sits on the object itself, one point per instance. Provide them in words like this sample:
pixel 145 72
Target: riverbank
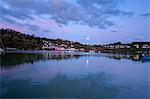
pixel 14 40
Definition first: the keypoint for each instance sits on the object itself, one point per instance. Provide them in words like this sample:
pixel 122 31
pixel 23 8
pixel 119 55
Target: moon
pixel 87 38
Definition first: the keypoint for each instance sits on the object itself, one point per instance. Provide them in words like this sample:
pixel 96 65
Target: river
pixel 73 75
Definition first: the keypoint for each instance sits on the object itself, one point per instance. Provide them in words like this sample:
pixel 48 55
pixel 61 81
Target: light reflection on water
pixel 68 75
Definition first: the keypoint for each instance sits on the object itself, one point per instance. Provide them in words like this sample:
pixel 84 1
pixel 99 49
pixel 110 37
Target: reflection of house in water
pixel 117 56
pixel 28 57
pixel 141 57
pixel 137 57
pixel 59 55
pixel 9 59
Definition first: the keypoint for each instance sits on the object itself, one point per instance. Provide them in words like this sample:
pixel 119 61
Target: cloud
pixel 114 31
pixel 18 13
pixel 138 38
pixel 93 13
pixel 145 15
pixel 15 27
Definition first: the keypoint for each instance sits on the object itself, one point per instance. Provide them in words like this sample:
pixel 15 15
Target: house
pixel 71 49
pixel 122 46
pixel 111 46
pixel 106 46
pixel 145 46
pixel 59 49
pixel 117 46
pixel 141 45
pixel 48 45
pixel 137 46
pixel 128 46
pixel 64 45
pixel 82 49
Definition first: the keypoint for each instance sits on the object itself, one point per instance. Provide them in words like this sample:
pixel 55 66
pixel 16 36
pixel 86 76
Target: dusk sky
pixel 85 21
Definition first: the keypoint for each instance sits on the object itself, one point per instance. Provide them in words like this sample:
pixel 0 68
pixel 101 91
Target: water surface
pixel 72 75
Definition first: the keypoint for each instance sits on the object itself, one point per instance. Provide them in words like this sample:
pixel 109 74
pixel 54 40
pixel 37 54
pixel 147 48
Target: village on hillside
pixel 14 40
pixel 140 47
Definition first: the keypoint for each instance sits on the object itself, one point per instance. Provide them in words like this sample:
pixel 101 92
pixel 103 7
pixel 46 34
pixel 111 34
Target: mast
pixel 2 44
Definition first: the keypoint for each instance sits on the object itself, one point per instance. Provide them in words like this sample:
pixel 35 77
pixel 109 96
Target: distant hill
pixel 15 39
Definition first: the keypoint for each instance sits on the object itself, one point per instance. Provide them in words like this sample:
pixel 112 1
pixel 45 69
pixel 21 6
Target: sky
pixel 84 21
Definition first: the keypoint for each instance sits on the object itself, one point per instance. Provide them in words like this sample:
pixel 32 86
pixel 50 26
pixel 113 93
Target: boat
pixel 1 50
pixel 146 58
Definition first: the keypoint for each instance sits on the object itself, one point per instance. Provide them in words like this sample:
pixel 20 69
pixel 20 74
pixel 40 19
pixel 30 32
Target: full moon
pixel 87 38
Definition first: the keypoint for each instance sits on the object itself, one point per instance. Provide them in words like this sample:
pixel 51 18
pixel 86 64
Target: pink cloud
pixel 14 27
pixel 42 23
pixel 48 24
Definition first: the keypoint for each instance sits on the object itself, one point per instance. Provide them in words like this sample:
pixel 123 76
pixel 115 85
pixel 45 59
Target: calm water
pixel 73 75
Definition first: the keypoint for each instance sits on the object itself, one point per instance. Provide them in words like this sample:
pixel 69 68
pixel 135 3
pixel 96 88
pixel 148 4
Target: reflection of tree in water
pixel 118 56
pixel 60 57
pixel 134 57
pixel 93 86
pixel 8 59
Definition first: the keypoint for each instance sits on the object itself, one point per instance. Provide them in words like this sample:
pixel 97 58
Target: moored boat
pixel 2 45
pixel 146 57
pixel 1 50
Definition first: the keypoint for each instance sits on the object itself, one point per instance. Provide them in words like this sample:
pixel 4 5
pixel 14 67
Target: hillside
pixel 15 39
